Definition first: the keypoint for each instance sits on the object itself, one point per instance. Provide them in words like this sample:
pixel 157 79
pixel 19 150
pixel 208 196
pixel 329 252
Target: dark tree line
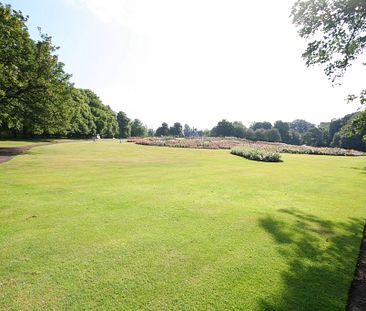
pixel 337 133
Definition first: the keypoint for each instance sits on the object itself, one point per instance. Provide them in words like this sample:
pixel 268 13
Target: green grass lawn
pixel 110 226
pixel 18 143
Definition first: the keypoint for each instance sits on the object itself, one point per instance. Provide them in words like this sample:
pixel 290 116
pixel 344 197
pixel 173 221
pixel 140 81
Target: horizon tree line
pixel 37 99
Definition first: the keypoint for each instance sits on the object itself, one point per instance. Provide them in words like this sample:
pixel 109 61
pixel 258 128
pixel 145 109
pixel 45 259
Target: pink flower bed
pixel 228 143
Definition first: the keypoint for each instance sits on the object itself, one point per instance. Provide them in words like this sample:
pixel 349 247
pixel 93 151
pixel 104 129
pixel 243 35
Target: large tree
pixel 82 120
pixel 187 130
pixel 301 126
pixel 223 128
pixel 261 125
pixel 137 128
pixel 124 125
pixel 35 92
pixel 336 34
pixel 104 117
pixel 273 135
pixel 284 129
pixel 260 135
pixel 239 129
pixel 314 137
pixel 36 96
pixel 163 130
pixel 176 130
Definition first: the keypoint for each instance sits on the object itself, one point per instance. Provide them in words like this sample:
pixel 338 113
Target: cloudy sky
pixel 192 61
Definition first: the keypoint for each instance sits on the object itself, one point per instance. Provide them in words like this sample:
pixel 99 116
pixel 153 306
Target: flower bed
pixel 229 143
pixel 256 154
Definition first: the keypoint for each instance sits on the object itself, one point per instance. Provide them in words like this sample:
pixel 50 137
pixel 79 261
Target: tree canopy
pixel 36 95
pixel 176 130
pixel 124 125
pixel 336 34
pixel 163 130
pixel 336 30
pixel 35 92
pixel 261 125
pixel 137 128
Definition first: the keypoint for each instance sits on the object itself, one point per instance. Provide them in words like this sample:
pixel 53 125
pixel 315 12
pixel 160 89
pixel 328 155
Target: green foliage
pixel 359 125
pixel 104 117
pixel 187 131
pixel 138 129
pixel 124 125
pixel 261 125
pixel 349 141
pixel 314 137
pixel 249 134
pixel 336 31
pixel 294 137
pixel 163 130
pixel 274 135
pixel 337 28
pixel 346 133
pixel 224 128
pixel 284 130
pixel 260 135
pixel 301 126
pixel 35 92
pixel 16 55
pixel 176 130
pixel 36 96
pixel 348 136
pixel 82 121
pixel 239 129
pixel 256 154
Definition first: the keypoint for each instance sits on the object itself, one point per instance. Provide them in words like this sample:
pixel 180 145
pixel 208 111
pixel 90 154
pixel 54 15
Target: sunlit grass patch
pixel 122 226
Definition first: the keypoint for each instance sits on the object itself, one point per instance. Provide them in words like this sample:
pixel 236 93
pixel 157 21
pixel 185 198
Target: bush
pixel 257 154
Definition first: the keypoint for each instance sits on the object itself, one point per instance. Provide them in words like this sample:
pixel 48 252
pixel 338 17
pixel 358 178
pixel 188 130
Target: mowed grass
pixel 110 226
pixel 18 143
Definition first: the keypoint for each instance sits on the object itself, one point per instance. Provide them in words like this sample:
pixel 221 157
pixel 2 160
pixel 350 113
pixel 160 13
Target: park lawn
pixel 18 143
pixel 112 226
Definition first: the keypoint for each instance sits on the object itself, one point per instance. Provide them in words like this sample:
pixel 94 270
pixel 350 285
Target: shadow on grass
pixel 6 153
pixel 362 169
pixel 321 256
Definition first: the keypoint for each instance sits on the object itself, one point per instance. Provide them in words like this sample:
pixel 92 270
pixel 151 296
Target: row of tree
pixel 128 127
pixel 38 99
pixel 36 95
pixel 337 133
pixel 342 132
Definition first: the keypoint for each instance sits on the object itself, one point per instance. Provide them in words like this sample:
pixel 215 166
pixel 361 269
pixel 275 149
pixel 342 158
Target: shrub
pixel 257 154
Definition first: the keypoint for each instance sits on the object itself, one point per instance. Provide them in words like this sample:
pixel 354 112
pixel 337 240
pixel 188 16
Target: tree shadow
pixel 320 255
pixel 6 153
pixel 362 169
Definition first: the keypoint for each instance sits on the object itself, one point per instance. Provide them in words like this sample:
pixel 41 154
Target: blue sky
pixel 193 61
pixel 85 43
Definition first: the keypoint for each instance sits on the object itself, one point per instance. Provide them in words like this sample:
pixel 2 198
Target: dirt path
pixel 357 292
pixel 6 153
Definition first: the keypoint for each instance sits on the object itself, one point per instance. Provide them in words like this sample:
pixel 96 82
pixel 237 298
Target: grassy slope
pixel 120 226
